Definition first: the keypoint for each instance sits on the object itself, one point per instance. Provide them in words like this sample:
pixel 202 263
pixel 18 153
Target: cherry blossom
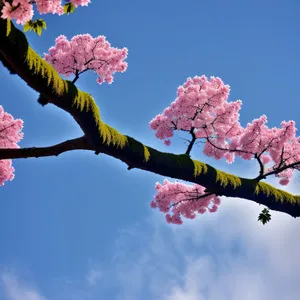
pixel 202 110
pixel 183 200
pixel 83 53
pixel 10 135
pixel 20 10
pixel 23 10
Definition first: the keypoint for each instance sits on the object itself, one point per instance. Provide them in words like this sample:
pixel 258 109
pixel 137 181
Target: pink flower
pixel 22 10
pixel 167 142
pixel 83 52
pixel 10 135
pixel 179 200
pixel 80 2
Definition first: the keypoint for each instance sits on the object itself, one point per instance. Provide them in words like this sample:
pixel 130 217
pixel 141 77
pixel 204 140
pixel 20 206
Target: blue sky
pixel 79 226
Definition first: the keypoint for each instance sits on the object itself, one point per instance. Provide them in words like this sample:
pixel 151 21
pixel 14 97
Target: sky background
pixel 79 226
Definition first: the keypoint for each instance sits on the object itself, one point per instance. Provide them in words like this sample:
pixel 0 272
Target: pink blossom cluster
pixel 19 10
pixel 200 104
pixel 183 200
pixel 10 135
pixel 22 10
pixel 77 3
pixel 83 52
pixel 201 109
pixel 278 146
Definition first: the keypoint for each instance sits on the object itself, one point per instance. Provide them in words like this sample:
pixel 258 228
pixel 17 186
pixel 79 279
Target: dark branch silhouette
pixel 17 56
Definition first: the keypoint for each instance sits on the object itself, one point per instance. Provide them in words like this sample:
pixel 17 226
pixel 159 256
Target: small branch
pixel 191 144
pixel 76 76
pixel 279 170
pixel 261 166
pixel 69 145
pixel 227 149
pixel 209 192
pixel 194 198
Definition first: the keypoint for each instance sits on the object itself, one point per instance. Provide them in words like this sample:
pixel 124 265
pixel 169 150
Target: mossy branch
pixel 19 58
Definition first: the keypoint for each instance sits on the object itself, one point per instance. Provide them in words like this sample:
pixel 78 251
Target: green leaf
pixel 69 8
pixel 8 27
pixel 39 30
pixel 265 216
pixel 41 23
pixel 27 26
pixel 36 25
pixel 44 25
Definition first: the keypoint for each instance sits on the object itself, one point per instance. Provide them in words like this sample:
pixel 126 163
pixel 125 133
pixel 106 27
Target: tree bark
pixel 99 137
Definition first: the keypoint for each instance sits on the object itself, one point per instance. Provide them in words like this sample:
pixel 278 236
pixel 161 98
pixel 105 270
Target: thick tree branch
pixel 175 166
pixel 99 137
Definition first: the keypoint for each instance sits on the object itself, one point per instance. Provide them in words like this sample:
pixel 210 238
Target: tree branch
pixel 261 168
pixel 192 142
pixel 99 137
pixel 69 145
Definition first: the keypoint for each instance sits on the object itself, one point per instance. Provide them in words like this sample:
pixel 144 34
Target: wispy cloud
pixel 16 289
pixel 226 255
pixel 94 275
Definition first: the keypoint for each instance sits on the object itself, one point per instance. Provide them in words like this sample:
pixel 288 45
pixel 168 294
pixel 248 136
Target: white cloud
pixel 15 289
pixel 198 276
pixel 94 275
pixel 226 255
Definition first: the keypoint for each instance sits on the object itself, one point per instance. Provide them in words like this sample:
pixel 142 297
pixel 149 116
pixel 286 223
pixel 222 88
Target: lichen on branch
pixel 19 57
